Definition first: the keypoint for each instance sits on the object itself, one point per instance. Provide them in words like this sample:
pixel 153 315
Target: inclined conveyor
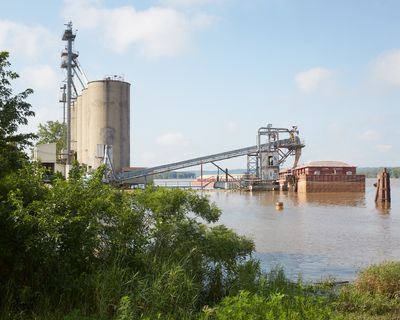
pixel 292 144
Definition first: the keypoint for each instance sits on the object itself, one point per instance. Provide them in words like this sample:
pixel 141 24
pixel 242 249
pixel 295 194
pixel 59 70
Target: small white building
pixel 47 155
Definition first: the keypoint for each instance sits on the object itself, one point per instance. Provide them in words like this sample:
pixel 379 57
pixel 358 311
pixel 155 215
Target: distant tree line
pixel 373 171
pixel 175 175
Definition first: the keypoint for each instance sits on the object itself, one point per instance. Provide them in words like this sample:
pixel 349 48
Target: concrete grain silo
pixel 73 126
pixel 78 112
pixel 107 105
pixel 83 156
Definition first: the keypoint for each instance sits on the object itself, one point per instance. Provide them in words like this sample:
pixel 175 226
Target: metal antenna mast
pixel 68 36
pixel 73 68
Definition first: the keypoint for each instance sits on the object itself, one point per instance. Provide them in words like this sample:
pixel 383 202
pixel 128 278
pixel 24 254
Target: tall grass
pixel 381 279
pixel 169 291
pixel 374 294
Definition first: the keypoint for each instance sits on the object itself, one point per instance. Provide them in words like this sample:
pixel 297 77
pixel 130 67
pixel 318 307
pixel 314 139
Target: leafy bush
pixel 83 245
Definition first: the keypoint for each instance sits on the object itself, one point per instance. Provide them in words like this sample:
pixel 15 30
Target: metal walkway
pixel 289 144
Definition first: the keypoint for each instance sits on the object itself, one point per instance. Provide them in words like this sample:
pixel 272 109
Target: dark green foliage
pixel 81 244
pixel 14 111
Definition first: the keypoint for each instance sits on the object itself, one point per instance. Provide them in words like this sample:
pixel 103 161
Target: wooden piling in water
pixel 383 188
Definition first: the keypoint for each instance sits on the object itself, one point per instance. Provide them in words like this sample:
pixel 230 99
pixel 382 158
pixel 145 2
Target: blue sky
pixel 206 74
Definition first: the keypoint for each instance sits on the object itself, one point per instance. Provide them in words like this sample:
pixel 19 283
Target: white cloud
pixel 24 40
pixel 156 31
pixel 370 135
pixel 190 3
pixel 385 69
pixel 313 79
pixel 40 77
pixel 172 139
pixel 384 147
pixel 204 21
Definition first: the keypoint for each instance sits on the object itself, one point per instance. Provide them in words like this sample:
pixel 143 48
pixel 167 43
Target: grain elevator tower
pixel 98 121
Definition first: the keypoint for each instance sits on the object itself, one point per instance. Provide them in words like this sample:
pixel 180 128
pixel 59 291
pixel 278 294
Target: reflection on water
pixel 311 267
pixel 330 199
pixel 317 235
pixel 383 208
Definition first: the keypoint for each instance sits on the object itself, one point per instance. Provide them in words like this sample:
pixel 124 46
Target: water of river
pixel 315 235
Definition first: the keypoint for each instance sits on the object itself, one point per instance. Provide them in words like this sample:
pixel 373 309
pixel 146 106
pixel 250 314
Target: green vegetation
pixel 374 295
pixel 82 245
pixel 14 111
pixel 53 132
pixel 373 172
pixel 80 249
pixel 381 279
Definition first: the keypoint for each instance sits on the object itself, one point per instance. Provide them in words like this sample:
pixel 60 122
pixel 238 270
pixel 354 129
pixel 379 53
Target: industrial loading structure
pixel 274 146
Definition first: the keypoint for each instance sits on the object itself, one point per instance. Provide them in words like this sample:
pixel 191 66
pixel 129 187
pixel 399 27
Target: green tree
pixel 53 132
pixel 89 242
pixel 14 111
pixel 20 182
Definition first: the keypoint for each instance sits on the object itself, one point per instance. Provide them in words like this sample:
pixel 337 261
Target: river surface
pixel 315 235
